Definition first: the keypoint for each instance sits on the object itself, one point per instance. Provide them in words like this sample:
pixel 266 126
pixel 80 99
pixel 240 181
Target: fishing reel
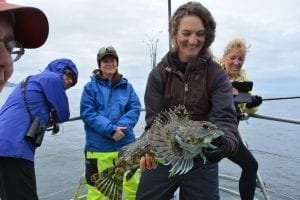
pixel 56 129
pixel 243 116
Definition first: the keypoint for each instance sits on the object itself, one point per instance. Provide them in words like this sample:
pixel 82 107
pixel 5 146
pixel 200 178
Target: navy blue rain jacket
pixel 103 108
pixel 44 91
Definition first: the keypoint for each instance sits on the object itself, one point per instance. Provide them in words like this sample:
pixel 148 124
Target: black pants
pixel 200 183
pixel 249 165
pixel 17 179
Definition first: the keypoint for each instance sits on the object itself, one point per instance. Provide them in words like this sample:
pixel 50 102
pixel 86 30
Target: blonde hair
pixel 238 43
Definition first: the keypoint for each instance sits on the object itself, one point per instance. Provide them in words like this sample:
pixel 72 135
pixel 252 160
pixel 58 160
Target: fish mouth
pixel 187 143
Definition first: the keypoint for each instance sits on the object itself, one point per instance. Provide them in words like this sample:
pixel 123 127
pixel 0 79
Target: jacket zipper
pixel 186 88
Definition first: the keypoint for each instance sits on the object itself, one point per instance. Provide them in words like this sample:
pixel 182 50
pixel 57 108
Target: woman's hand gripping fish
pixel 173 140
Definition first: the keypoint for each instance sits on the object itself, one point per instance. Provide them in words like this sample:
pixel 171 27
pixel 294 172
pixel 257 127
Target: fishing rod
pixel 280 98
pixel 169 18
pixel 274 119
pixel 57 128
pixel 78 117
pixel 250 115
pixel 74 119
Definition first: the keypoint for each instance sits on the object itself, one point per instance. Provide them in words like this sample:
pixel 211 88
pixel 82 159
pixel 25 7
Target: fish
pixel 173 139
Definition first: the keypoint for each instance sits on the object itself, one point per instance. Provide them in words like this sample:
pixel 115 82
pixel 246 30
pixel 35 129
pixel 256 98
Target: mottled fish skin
pixel 173 140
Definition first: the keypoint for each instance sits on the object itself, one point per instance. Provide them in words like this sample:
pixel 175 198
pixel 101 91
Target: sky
pixel 78 28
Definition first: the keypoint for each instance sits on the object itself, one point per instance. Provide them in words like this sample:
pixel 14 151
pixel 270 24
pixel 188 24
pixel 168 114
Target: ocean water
pixel 60 160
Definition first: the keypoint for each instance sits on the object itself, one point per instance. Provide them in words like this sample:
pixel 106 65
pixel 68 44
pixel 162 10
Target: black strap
pixel 23 89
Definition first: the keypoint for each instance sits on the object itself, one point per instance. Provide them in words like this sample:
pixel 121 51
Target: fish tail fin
pixel 108 184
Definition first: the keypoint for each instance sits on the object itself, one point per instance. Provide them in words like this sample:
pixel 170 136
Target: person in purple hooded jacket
pixel 41 96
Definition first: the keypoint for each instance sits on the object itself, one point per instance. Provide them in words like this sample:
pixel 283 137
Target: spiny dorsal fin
pixel 178 113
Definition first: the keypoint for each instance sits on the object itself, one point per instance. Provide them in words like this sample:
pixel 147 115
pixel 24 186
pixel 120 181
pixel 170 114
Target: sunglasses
pixel 108 49
pixel 70 74
pixel 15 49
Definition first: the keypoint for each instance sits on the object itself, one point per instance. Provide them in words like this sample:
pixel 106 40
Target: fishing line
pixel 275 154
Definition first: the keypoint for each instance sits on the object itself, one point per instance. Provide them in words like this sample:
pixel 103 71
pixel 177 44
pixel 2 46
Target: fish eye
pixel 205 126
pixel 189 140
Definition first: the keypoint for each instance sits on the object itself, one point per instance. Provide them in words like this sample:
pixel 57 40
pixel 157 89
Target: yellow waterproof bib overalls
pixel 104 161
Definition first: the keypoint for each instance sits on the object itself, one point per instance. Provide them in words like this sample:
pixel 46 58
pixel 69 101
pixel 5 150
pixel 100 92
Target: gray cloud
pixel 78 28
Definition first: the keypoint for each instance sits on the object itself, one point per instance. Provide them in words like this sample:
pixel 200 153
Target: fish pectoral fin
pixel 160 160
pixel 203 157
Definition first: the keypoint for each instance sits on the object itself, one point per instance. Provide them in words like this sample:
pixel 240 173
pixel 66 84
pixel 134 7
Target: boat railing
pixel 80 191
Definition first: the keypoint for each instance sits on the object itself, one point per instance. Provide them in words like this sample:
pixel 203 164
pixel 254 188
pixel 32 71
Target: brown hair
pixel 193 9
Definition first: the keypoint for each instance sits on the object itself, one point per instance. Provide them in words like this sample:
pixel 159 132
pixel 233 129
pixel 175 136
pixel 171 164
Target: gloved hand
pixel 215 155
pixel 255 101
pixel 55 128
